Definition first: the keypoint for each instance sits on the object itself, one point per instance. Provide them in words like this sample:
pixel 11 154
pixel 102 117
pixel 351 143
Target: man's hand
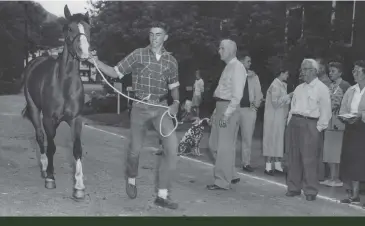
pixel 354 119
pixel 351 120
pixel 253 106
pixel 90 60
pixel 223 121
pixel 174 108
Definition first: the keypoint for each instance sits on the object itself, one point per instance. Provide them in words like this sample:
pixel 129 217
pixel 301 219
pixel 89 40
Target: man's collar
pixel 232 60
pixel 313 82
pixel 163 50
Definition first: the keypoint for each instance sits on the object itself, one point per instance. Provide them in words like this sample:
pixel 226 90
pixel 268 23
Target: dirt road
pixel 22 190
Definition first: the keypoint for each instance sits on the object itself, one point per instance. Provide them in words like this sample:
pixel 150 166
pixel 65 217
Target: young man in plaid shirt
pixel 154 72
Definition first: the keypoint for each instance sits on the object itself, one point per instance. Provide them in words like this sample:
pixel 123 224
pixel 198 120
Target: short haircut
pixel 313 62
pixel 337 65
pixel 161 25
pixel 281 69
pixel 360 63
pixel 232 45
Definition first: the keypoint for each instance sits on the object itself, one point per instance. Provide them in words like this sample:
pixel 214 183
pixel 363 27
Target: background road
pixel 22 190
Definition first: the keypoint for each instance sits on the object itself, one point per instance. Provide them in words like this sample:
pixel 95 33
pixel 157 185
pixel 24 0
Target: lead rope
pixel 141 101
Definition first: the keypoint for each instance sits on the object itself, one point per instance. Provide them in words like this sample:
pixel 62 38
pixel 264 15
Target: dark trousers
pixel 303 143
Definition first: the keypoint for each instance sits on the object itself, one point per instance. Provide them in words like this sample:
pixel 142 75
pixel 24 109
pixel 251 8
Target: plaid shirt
pixel 149 75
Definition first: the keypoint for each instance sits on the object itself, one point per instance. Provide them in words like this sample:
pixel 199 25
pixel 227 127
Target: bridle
pixel 72 50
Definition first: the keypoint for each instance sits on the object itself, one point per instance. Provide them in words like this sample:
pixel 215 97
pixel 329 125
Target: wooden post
pixel 303 21
pixel 353 22
pixel 119 87
pixel 25 32
pixel 118 104
pixel 287 13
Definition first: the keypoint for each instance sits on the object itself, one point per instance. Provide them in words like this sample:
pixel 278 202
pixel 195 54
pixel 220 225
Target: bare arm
pixel 106 69
pixel 124 67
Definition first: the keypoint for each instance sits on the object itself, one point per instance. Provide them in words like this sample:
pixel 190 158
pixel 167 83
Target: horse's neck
pixel 68 65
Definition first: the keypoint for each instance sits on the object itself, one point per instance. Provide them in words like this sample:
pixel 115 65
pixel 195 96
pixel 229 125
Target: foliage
pixel 13 42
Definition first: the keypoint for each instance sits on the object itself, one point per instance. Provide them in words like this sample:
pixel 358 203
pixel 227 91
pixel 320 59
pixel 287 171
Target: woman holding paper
pixel 352 113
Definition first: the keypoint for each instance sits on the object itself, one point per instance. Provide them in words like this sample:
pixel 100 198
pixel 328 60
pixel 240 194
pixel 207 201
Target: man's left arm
pixel 258 93
pixel 324 109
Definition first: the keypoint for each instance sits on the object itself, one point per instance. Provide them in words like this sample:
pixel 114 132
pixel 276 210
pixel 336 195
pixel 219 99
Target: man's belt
pixel 160 99
pixel 306 117
pixel 220 99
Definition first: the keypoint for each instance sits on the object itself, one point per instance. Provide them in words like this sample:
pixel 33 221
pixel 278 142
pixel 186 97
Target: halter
pixel 72 51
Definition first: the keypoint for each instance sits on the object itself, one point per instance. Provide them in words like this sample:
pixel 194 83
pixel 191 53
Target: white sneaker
pixel 335 183
pixel 326 182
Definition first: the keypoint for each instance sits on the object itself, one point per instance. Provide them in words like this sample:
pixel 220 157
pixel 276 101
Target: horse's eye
pixel 69 29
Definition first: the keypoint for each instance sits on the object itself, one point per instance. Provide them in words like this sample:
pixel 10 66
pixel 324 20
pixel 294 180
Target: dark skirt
pixel 352 165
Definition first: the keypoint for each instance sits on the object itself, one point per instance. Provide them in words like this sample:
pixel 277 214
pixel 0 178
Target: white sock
pixel 278 166
pixel 268 166
pixel 132 181
pixel 162 193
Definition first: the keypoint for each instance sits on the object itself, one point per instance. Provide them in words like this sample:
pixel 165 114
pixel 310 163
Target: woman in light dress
pixel 334 134
pixel 275 118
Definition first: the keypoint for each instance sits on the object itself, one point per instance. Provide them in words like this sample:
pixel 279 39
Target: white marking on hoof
pixel 44 162
pixel 79 176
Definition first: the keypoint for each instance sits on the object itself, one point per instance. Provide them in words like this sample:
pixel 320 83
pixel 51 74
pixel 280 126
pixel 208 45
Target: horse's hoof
pixel 50 183
pixel 43 174
pixel 78 194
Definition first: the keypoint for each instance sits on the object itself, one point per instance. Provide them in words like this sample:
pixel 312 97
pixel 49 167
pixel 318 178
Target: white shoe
pixel 326 182
pixel 333 183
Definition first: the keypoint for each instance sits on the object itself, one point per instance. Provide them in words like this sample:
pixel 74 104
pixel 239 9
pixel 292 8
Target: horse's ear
pixel 87 17
pixel 67 12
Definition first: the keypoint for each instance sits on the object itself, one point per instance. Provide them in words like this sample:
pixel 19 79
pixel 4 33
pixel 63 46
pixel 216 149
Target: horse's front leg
pixel 50 127
pixel 76 128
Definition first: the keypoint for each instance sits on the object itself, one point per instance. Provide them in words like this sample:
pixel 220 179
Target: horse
pixel 53 87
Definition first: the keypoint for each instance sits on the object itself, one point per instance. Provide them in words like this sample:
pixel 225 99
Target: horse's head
pixel 77 34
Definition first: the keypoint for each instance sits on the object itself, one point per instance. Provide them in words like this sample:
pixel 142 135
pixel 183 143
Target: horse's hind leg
pixel 34 115
pixel 76 128
pixel 50 126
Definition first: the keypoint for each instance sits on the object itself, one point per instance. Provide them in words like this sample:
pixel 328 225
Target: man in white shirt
pixel 228 95
pixel 198 91
pixel 309 116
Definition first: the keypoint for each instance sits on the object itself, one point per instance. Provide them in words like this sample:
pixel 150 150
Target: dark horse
pixel 53 87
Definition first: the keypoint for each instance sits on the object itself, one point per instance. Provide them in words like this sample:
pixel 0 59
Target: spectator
pixel 275 117
pixel 197 92
pixel 334 134
pixel 225 116
pixel 352 165
pixel 309 115
pixel 249 104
